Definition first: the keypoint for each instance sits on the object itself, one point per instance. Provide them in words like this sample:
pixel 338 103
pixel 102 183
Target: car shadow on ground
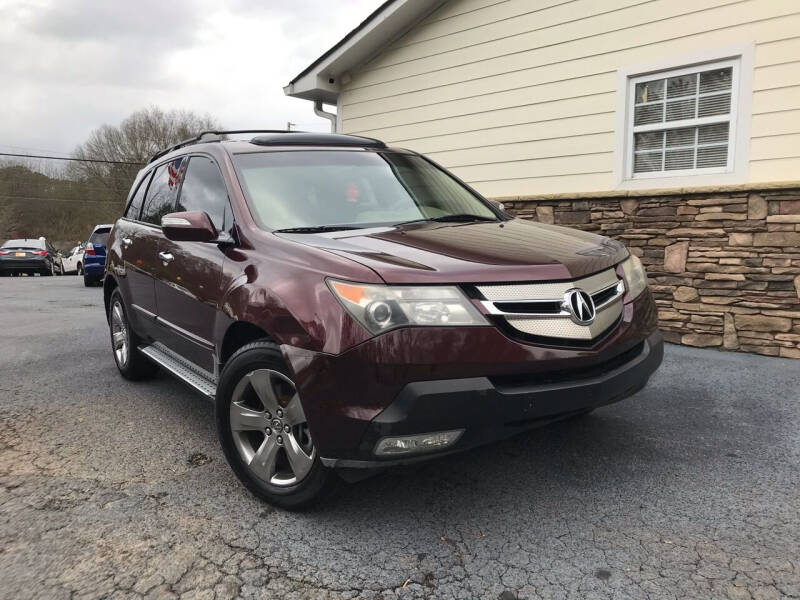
pixel 630 453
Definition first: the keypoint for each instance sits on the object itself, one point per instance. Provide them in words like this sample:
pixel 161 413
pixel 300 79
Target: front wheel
pixel 131 363
pixel 263 430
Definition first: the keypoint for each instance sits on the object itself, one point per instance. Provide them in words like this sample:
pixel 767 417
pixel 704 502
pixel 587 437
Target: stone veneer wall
pixel 723 265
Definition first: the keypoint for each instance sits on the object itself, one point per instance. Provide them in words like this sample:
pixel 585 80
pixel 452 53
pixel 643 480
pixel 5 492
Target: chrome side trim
pixel 183 332
pixel 144 311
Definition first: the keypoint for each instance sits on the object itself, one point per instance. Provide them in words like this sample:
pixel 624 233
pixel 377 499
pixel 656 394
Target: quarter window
pixel 682 122
pixel 162 191
pixel 203 189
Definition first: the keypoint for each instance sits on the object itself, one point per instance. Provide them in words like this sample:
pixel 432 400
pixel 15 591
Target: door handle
pixel 127 242
pixel 166 257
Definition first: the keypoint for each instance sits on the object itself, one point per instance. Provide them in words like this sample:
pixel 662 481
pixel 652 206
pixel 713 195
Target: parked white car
pixel 73 262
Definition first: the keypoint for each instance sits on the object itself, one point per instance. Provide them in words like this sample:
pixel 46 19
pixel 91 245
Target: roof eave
pixel 320 81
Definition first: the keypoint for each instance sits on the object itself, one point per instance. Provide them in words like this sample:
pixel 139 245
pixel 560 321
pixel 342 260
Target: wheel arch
pixel 238 334
pixel 109 285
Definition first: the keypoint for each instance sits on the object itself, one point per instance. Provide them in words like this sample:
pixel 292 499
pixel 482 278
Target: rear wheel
pixel 131 363
pixel 263 430
pixel 88 281
pixel 80 269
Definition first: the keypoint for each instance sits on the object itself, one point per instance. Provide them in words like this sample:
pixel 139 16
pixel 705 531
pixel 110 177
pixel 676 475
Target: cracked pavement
pixel 113 489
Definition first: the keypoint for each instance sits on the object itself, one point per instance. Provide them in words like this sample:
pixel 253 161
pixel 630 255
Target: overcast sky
pixel 68 66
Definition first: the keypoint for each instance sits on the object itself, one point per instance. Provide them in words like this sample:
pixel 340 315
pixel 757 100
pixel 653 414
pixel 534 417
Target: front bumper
pixel 419 380
pixel 490 409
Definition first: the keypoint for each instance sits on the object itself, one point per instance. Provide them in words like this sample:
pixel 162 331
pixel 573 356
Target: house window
pixel 682 121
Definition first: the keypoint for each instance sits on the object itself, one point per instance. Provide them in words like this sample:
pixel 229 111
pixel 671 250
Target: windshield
pixel 317 188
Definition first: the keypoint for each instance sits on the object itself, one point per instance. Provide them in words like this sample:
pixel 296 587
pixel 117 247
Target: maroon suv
pixel 351 306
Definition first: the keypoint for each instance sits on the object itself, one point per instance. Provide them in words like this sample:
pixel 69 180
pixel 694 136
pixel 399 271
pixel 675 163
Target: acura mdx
pixel 352 306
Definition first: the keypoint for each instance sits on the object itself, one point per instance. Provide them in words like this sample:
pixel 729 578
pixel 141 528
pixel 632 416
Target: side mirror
pixel 499 205
pixel 190 226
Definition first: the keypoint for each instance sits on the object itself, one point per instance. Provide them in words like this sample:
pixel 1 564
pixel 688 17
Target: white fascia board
pixel 392 22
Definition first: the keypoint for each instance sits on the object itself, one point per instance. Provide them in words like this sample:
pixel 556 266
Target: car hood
pixel 515 250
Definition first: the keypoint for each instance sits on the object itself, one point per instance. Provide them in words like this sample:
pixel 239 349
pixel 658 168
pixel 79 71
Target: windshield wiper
pixel 456 218
pixel 461 218
pixel 316 229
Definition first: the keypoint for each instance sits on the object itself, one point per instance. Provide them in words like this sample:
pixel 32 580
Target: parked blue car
pixel 94 256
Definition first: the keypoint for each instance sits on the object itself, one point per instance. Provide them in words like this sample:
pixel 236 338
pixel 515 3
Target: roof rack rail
pixel 211 136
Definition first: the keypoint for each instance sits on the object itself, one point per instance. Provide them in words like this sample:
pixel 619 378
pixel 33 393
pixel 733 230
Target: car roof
pixel 212 143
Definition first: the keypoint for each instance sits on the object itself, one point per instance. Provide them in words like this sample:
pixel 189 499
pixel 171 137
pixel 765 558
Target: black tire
pixel 88 281
pixel 137 366
pixel 316 484
pixel 80 269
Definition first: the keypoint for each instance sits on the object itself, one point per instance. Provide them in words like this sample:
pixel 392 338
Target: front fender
pixel 292 303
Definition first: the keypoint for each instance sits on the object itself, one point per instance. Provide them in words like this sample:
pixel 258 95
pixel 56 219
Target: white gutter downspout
pixel 325 115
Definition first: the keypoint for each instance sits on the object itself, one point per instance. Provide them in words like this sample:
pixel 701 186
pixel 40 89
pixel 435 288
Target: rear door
pixel 141 242
pixel 188 282
pixel 124 250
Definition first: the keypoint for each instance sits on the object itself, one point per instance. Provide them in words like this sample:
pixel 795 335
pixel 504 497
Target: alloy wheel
pixel 119 334
pixel 269 428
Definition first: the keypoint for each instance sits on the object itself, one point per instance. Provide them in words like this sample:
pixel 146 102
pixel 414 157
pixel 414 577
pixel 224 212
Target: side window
pixel 162 191
pixel 136 201
pixel 204 189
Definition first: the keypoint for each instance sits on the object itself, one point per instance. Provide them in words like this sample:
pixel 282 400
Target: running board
pixel 197 377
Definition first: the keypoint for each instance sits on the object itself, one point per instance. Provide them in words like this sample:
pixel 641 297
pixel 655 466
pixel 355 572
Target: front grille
pixel 535 312
pixel 511 383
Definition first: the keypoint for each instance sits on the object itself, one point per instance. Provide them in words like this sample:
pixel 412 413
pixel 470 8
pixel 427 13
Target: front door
pixel 189 279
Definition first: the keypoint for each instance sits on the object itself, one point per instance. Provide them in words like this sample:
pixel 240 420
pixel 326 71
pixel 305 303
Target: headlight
pixel 383 307
pixel 635 276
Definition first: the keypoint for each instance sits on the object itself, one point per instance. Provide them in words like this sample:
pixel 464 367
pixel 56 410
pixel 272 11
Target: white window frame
pixel 740 58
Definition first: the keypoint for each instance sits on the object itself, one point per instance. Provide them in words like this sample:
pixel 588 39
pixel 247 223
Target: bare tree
pixel 131 144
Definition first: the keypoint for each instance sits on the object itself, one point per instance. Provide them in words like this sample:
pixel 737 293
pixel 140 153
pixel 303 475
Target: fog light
pixel 415 444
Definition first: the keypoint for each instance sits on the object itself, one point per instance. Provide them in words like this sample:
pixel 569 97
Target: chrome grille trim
pixel 493 309
pixel 549 324
pixel 514 292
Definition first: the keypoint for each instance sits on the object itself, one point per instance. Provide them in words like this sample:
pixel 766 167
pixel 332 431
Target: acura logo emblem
pixel 580 306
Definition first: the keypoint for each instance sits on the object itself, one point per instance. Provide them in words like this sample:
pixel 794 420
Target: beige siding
pixel 519 96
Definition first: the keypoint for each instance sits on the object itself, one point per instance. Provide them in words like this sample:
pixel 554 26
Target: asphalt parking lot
pixel 110 489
